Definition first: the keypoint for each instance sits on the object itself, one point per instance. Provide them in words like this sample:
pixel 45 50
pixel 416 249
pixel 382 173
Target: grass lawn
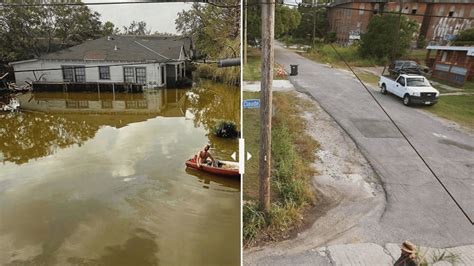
pixel 325 54
pixel 253 67
pixel 368 78
pixel 458 108
pixel 252 138
pixel 292 152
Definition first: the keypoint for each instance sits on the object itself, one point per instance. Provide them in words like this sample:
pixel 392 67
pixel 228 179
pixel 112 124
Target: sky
pixel 158 16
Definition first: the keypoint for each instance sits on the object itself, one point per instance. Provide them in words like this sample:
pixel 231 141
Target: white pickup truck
pixel 413 89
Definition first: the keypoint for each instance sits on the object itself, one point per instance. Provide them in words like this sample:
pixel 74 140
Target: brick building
pixel 454 64
pixel 348 23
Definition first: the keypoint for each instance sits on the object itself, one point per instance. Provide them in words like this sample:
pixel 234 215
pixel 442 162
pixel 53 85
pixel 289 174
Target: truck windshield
pixel 417 82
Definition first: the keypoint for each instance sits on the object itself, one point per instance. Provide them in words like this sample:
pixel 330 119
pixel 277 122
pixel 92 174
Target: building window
pixel 104 72
pixel 74 73
pixel 134 75
pixel 80 74
pixel 68 74
pixel 361 9
pixel 141 75
pixel 129 74
pixel 413 11
pixel 451 13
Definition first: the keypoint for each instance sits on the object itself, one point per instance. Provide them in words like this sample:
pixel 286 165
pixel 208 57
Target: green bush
pixel 225 129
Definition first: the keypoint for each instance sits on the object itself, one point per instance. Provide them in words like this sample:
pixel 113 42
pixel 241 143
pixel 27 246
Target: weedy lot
pixel 293 152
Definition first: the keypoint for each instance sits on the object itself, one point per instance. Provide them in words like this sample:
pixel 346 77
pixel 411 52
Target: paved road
pixel 417 207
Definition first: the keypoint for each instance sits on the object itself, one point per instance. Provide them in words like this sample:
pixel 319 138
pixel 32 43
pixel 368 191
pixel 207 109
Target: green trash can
pixel 294 70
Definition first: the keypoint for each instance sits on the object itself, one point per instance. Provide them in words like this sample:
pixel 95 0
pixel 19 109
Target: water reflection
pixel 105 184
pixel 51 121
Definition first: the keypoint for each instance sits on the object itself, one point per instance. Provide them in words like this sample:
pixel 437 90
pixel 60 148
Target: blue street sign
pixel 251 103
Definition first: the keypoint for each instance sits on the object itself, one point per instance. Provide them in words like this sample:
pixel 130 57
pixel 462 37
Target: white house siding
pixel 153 72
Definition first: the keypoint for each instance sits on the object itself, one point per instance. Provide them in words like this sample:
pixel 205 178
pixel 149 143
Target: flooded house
pixel 113 63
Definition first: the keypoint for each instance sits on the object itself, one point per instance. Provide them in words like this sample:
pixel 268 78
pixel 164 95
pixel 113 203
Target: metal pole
pixel 268 22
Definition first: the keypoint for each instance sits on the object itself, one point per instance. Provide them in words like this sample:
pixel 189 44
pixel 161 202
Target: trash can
pixel 294 70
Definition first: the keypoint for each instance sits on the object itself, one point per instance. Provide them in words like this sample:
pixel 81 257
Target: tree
pixel 465 37
pixel 287 19
pixel 313 20
pixel 213 29
pixel 137 28
pixel 380 39
pixel 109 29
pixel 28 32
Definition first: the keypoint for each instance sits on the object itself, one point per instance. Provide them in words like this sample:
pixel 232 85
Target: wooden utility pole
pixel 397 32
pixel 245 3
pixel 268 23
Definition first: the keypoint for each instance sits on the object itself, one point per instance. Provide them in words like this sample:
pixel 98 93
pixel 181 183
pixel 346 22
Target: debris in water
pixel 12 106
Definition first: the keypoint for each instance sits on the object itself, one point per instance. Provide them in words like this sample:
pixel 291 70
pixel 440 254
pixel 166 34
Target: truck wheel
pixel 383 89
pixel 406 100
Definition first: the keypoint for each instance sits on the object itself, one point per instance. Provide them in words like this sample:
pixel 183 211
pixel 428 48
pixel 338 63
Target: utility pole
pixel 245 3
pixel 268 23
pixel 397 32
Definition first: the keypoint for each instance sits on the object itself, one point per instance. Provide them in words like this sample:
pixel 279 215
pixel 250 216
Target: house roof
pixel 468 49
pixel 125 48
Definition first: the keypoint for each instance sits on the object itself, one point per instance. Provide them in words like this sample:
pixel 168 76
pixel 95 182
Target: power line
pixel 89 3
pixel 116 3
pixel 395 12
pixel 360 9
pixel 401 132
pixel 94 66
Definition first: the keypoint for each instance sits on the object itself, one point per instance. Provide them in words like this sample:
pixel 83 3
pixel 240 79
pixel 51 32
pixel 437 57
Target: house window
pixel 104 72
pixel 74 73
pixel 80 74
pixel 451 13
pixel 68 74
pixel 413 11
pixel 134 75
pixel 129 74
pixel 141 75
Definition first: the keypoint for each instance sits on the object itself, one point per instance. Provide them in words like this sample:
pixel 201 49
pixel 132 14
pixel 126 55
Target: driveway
pixel 417 206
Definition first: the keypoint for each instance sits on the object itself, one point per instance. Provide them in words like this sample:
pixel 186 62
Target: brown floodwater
pixel 99 179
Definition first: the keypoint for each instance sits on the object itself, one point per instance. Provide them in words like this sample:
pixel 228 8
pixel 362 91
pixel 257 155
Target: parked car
pixel 413 89
pixel 399 67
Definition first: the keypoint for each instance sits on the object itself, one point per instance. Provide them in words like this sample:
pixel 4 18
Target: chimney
pixel 116 48
pixel 110 38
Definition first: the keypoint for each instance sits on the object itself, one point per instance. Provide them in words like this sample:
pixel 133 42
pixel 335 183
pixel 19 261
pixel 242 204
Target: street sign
pixel 251 103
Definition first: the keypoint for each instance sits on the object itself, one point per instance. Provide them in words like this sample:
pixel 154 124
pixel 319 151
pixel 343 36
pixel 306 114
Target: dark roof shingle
pixel 125 48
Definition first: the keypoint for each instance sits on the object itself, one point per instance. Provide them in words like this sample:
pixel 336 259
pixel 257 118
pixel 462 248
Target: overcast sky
pixel 158 16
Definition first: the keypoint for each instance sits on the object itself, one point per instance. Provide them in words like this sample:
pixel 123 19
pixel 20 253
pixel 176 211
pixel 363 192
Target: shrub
pixel 226 129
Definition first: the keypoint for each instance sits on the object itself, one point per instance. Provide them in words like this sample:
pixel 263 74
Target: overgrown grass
pixel 324 53
pixel 458 108
pixel 252 69
pixel 227 75
pixel 369 78
pixel 293 151
pixel 437 257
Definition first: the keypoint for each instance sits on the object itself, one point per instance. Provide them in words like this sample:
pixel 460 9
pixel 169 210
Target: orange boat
pixel 225 168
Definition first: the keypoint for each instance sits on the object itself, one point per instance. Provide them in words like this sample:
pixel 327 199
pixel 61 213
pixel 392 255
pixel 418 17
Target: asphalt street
pixel 417 206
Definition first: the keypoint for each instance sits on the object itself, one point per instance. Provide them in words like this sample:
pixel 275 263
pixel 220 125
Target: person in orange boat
pixel 202 156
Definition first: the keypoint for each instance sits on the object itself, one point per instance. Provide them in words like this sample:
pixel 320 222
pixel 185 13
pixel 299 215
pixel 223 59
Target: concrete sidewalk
pixel 277 85
pixel 365 254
